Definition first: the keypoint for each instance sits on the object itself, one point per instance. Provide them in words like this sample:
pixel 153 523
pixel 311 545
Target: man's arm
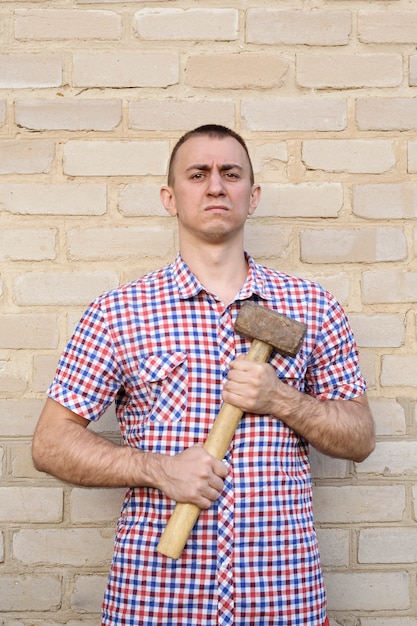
pixel 62 446
pixel 338 428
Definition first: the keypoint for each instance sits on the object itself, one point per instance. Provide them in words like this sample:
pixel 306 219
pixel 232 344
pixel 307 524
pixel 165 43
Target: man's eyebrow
pixel 203 167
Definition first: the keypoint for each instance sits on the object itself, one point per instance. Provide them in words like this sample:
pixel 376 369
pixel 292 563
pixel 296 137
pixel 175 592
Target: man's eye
pixel 197 175
pixel 231 175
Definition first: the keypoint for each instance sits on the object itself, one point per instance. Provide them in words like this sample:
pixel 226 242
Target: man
pixel 164 349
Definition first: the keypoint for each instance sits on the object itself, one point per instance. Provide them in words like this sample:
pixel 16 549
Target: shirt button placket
pixel 225 553
pixel 226 502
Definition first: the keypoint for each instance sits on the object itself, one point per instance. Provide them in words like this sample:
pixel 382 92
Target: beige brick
pixel 36 70
pixel 320 28
pixel 30 592
pixel 292 114
pixel 54 199
pixel 385 201
pixel 323 466
pixel 399 370
pixel 68 114
pixel 268 157
pixel 414 501
pixel 27 244
pixel 19 416
pixel 236 71
pixel 389 286
pixel 125 69
pixel 31 504
pixel 21 462
pixel 378 330
pixel 389 621
pixel 387 27
pixel 141 200
pixel 12 382
pixel 334 547
pixel 391 458
pixel 302 200
pixel 95 505
pixel 88 595
pixel 356 504
pixel 389 416
pixel 338 284
pixel 44 366
pixel 386 113
pixel 349 155
pixel 331 245
pixel 413 69
pixel 191 24
pixel 179 114
pixel 28 331
pixel 387 545
pixel 265 241
pixel 347 70
pixel 119 243
pixel 61 288
pixel 81 2
pixel 77 547
pixel 44 24
pixel 1 547
pixel 3 112
pixel 412 157
pixel 115 158
pixel 368 591
pixel 369 367
pixel 50 622
pixel 26 157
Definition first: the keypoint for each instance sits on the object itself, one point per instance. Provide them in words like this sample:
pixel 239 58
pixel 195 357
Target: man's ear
pixel 255 196
pixel 168 200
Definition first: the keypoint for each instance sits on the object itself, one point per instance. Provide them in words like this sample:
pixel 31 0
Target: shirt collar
pixel 189 286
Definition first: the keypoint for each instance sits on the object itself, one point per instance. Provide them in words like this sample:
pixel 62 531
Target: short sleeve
pixel 87 378
pixel 333 370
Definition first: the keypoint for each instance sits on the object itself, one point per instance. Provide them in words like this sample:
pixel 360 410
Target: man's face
pixel 211 194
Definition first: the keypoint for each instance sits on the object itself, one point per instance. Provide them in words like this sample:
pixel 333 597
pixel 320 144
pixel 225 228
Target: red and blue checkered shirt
pixel 161 349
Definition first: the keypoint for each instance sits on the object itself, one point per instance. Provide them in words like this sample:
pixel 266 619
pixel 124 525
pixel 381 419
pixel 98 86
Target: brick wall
pixel 92 97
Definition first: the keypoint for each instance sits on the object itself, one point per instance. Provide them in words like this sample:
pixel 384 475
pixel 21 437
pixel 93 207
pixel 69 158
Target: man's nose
pixel 216 183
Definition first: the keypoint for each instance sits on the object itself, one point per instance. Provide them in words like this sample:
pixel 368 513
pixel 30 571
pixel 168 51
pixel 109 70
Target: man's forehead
pixel 205 150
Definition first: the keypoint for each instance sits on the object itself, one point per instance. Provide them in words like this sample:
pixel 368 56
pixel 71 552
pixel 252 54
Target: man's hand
pixel 251 386
pixel 192 476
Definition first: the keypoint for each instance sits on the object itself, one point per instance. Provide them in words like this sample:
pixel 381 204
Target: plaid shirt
pixel 161 348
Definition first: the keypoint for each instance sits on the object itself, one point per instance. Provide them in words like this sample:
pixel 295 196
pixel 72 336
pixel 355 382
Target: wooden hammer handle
pixel 185 515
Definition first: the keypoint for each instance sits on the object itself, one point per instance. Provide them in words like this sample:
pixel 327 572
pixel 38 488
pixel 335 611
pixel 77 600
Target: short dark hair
pixel 214 131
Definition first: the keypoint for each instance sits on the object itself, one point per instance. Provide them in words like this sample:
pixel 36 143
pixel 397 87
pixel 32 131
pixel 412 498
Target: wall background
pixel 92 97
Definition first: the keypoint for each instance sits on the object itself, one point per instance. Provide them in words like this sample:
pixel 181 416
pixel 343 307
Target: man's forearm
pixel 72 453
pixel 62 446
pixel 338 428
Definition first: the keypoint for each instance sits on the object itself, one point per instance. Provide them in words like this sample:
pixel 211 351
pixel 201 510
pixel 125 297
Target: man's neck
pixel 220 269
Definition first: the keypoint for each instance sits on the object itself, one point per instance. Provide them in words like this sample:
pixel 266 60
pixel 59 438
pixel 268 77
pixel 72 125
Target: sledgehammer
pixel 268 330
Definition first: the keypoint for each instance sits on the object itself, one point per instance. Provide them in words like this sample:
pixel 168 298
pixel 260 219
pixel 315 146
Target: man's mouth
pixel 217 208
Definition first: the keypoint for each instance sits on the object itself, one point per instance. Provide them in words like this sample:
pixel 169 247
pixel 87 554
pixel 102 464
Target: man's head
pixel 213 131
pixel 210 189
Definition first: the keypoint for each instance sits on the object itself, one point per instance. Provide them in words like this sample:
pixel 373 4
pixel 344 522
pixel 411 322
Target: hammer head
pixel 277 330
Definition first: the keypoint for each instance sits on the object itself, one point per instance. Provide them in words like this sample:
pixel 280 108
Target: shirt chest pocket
pixel 165 377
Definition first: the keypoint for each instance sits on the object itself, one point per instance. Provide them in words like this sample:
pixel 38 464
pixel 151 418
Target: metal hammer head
pixel 274 329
